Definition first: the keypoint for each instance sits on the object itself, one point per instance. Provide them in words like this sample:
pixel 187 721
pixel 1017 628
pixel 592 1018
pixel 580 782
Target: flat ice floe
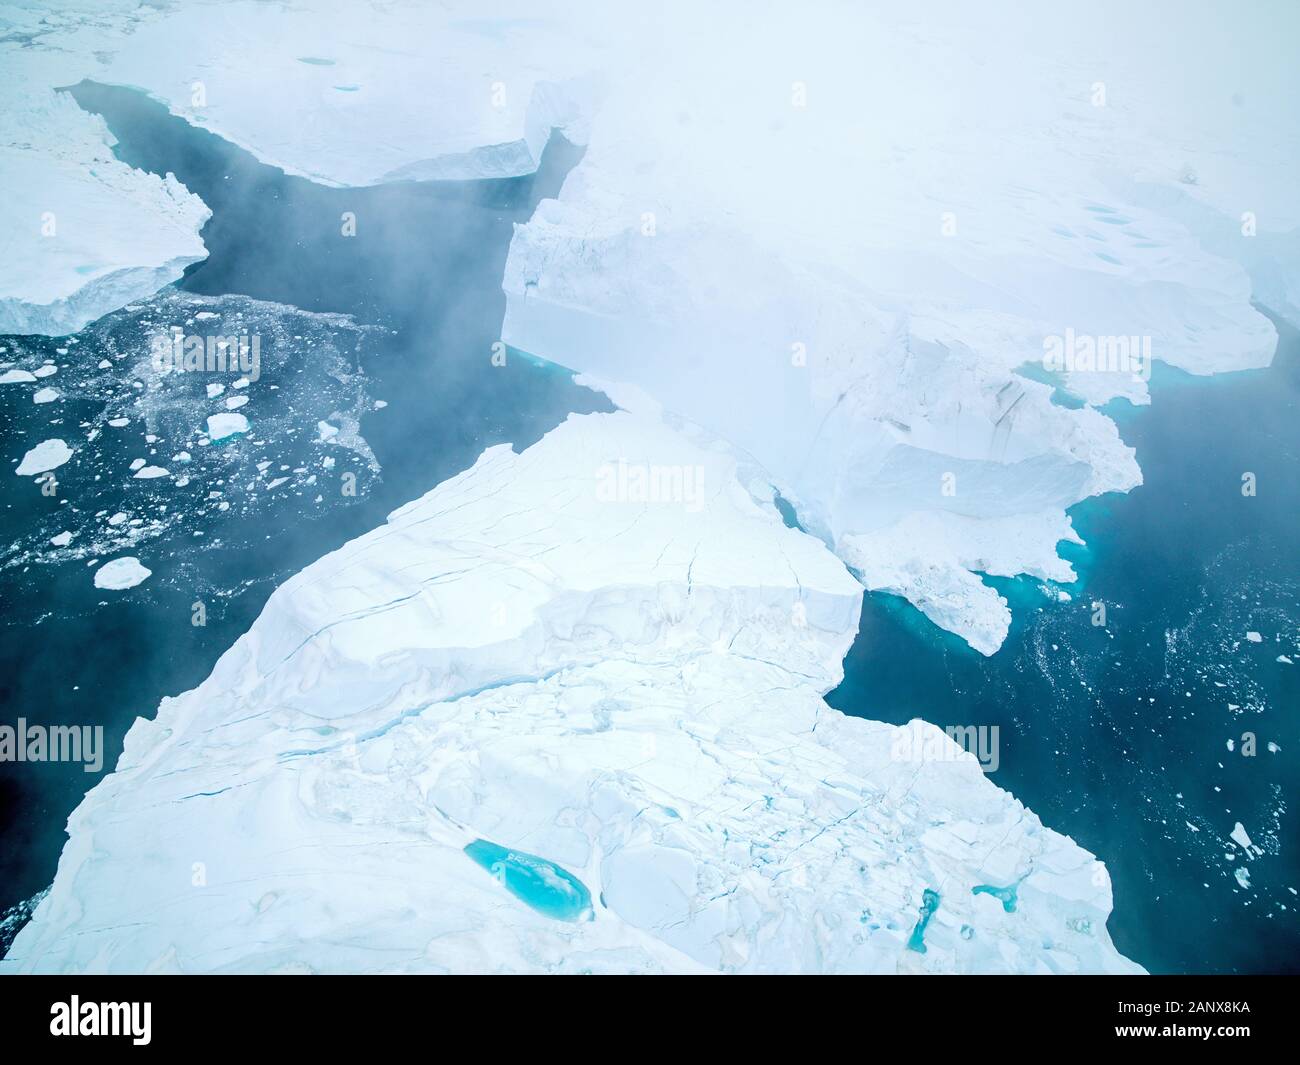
pixel 616 695
pixel 121 573
pixel 45 456
pixel 221 426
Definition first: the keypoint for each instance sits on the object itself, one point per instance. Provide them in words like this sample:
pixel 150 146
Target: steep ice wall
pixel 604 657
pixel 85 234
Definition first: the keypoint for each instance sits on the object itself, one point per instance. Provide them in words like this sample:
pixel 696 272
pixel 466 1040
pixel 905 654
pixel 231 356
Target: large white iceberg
pixel 598 665
pixel 839 251
pixel 835 236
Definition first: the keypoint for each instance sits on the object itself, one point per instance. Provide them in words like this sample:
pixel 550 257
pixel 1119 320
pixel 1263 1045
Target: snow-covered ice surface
pixel 838 244
pixel 45 456
pixel 839 257
pixel 378 92
pixel 838 238
pixel 85 234
pixel 622 688
pixel 121 573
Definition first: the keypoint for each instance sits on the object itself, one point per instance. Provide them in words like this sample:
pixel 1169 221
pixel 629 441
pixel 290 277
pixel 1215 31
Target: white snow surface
pixel 629 689
pixel 122 573
pixel 86 234
pixel 831 233
pixel 223 425
pixel 838 255
pixel 45 456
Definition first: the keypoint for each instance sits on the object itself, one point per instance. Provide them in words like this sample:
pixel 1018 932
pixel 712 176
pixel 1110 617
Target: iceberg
pixel 849 268
pixel 884 267
pixel 811 248
pixel 533 725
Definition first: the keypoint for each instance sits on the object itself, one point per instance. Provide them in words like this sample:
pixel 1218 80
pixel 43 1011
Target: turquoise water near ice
pixel 1119 735
pixel 1004 895
pixel 929 903
pixel 548 888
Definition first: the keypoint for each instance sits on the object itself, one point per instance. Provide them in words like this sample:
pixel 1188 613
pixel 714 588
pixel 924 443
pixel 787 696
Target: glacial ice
pixel 625 690
pixel 838 254
pixel 839 248
pixel 87 234
pixel 843 270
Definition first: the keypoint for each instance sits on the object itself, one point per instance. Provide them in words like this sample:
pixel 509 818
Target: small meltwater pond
pixel 1005 895
pixel 550 890
pixel 929 903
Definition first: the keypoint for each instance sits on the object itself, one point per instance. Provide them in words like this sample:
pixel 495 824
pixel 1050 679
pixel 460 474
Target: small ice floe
pixel 327 431
pixel 45 456
pixel 1273 748
pixel 235 402
pixel 16 377
pixel 137 464
pixel 204 316
pixel 117 518
pixel 214 390
pixel 1231 745
pixel 121 573
pixel 117 423
pixel 380 404
pixel 46 370
pixel 221 426
pixel 62 540
pixel 45 395
pixel 1254 637
pixel 241 383
pixel 150 472
pixel 1285 660
pixel 104 364
pixel 1243 876
pixel 1242 840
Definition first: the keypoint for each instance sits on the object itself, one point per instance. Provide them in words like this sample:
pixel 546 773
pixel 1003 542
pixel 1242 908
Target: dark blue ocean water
pixel 410 375
pixel 1119 734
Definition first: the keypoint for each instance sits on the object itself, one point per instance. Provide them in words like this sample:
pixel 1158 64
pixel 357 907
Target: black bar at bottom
pixel 341 1013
